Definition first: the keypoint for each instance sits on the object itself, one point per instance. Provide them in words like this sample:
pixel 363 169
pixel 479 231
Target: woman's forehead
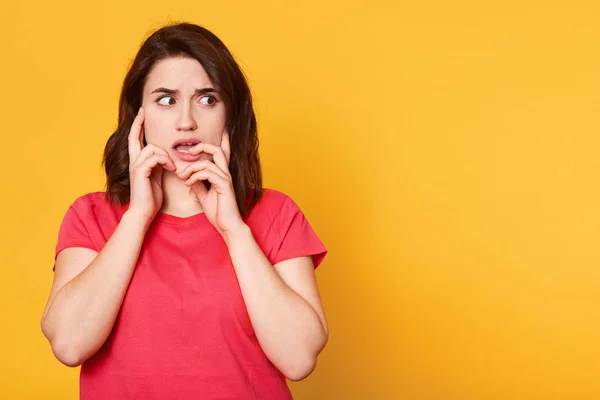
pixel 183 74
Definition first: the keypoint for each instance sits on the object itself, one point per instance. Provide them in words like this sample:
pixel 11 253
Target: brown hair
pixel 193 41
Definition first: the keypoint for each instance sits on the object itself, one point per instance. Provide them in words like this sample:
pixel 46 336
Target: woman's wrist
pixel 136 219
pixel 240 233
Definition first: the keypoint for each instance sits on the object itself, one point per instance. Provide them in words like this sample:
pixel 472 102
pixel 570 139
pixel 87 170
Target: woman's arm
pixel 88 291
pixel 282 300
pixel 283 304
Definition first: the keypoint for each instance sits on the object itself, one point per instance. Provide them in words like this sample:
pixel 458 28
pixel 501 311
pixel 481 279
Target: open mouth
pixel 185 145
pixel 182 149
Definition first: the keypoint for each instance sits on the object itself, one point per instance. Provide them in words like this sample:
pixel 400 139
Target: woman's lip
pixel 194 142
pixel 186 156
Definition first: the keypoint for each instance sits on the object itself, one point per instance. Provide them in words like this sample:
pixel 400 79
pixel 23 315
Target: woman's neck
pixel 178 198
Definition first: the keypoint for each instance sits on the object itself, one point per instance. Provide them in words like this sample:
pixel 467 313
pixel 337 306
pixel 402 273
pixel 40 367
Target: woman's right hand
pixel 145 173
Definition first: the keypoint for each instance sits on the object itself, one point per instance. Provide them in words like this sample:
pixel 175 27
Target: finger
pixel 150 150
pixel 140 136
pixel 215 151
pixel 148 165
pixel 200 190
pixel 200 166
pixel 205 175
pixel 226 146
pixel 134 141
pixel 157 173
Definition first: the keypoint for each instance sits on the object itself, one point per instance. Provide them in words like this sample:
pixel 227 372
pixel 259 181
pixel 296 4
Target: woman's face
pixel 181 108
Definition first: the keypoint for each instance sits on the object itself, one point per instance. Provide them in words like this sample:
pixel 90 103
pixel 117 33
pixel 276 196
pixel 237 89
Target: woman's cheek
pixel 151 129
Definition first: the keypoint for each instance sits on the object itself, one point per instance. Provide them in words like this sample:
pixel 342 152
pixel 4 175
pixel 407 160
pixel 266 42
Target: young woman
pixel 185 279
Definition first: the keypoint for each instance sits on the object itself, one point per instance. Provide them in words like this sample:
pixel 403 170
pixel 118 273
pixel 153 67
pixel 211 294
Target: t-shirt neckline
pixel 172 219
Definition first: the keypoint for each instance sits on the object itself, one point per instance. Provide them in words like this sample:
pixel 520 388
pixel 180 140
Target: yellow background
pixel 446 152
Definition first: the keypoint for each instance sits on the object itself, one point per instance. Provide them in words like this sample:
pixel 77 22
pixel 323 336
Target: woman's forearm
pixel 84 310
pixel 287 327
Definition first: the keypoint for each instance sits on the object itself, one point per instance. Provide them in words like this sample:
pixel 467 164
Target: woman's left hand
pixel 219 202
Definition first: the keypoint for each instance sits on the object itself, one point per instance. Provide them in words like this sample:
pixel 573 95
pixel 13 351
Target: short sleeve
pixel 294 236
pixel 73 232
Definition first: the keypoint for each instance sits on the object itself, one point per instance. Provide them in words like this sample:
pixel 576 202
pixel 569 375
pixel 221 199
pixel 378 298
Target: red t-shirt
pixel 183 331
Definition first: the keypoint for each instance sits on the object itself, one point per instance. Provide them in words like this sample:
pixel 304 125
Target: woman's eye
pixel 166 101
pixel 208 100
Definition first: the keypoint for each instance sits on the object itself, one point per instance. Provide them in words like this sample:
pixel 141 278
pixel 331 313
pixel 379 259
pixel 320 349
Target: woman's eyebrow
pixel 174 91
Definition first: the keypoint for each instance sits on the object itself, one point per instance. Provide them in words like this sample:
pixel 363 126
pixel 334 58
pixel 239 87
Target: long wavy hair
pixel 193 41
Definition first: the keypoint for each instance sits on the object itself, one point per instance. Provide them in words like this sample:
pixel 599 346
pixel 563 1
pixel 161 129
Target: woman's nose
pixel 186 120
